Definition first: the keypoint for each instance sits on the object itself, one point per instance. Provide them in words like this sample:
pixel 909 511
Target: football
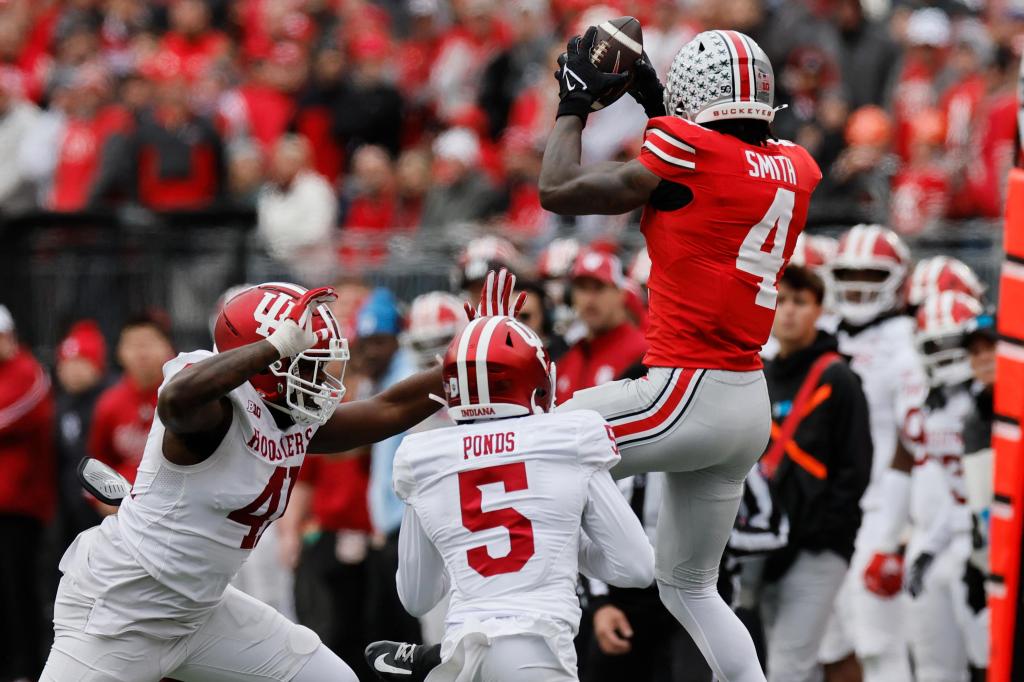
pixel 619 43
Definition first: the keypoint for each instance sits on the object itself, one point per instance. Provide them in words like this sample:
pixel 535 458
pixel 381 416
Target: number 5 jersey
pixel 166 557
pixel 719 229
pixel 494 515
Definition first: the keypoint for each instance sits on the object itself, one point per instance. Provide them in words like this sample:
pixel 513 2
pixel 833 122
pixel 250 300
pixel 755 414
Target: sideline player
pixel 525 481
pixel 867 279
pixel 145 595
pixel 723 204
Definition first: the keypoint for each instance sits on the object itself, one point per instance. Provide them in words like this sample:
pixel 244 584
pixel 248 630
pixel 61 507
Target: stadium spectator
pixel 920 191
pixel 866 54
pixel 81 378
pixel 460 192
pixel 124 412
pixel 27 497
pixel 377 353
pixel 178 156
pixel 817 106
pixel 314 115
pixel 818 464
pixel 612 344
pixel 370 192
pixel 412 180
pixel 857 189
pixel 297 210
pixel 18 117
pixel 264 106
pixel 90 156
pixel 927 36
pixel 245 172
pixel 192 43
pixel 369 108
pixel 525 219
pixel 513 67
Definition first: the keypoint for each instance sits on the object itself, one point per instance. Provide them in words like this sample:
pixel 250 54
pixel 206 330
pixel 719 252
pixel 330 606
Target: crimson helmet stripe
pixel 744 65
pixel 483 388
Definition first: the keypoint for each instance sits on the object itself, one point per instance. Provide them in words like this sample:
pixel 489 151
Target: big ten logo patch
pixel 272 311
pixel 254 409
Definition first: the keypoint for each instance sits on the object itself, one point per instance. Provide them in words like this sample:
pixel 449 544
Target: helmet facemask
pixel 945 358
pixel 863 294
pixel 314 381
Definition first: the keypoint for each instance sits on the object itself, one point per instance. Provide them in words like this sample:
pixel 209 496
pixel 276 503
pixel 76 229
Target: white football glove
pixel 296 334
pixel 496 297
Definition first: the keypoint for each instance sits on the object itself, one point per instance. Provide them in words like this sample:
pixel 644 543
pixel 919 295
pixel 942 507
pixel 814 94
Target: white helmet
pixel 942 273
pixel 434 320
pixel 942 322
pixel 878 253
pixel 721 75
pixel 640 269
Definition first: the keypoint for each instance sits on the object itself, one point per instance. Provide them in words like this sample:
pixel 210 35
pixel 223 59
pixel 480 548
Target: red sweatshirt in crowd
pixel 591 362
pixel 120 426
pixel 28 483
pixel 339 491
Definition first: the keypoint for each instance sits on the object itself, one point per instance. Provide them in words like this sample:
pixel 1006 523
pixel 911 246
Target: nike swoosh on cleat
pixel 380 666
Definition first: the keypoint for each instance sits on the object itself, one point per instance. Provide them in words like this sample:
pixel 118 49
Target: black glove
pixel 647 90
pixel 580 83
pixel 915 579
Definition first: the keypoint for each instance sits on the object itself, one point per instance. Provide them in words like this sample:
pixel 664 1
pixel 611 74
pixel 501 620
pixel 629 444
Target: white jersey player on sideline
pixel 503 511
pixel 866 278
pixel 145 595
pixel 944 633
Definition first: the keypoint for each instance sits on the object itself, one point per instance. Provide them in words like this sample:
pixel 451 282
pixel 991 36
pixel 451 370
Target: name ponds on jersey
pixel 488 444
pixel 771 167
pixel 275 450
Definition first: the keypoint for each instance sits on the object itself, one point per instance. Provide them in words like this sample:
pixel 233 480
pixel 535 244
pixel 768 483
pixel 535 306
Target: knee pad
pixel 687 579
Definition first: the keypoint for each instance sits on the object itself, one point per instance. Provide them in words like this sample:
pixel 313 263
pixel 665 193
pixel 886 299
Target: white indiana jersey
pixel 167 556
pixel 938 496
pixel 502 502
pixel 884 357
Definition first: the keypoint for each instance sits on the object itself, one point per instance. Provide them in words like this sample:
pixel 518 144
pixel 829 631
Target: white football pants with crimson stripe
pixel 706 429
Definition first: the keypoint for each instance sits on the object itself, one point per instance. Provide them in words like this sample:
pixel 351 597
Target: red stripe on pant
pixel 664 413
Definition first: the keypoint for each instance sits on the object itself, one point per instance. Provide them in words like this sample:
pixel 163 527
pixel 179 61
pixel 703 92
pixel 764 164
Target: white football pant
pixel 706 429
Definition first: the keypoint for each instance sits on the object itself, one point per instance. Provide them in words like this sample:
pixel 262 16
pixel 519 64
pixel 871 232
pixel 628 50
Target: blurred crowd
pixel 351 120
pixel 330 561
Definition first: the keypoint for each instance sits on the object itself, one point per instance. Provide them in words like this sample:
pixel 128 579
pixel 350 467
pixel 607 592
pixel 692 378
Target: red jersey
pixel 120 426
pixel 600 360
pixel 28 484
pixel 715 262
pixel 340 488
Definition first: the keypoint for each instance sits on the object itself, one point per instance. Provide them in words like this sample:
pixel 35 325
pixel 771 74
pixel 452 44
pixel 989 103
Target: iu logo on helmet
pixel 272 310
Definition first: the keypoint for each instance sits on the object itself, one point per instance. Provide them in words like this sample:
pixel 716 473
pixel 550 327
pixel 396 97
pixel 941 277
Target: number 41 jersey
pixel 177 541
pixel 716 260
pixel 502 502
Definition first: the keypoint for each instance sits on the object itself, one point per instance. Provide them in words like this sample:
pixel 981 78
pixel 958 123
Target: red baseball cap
pixel 84 340
pixel 601 266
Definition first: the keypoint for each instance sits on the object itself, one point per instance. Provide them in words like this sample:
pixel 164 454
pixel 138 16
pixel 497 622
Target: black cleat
pixel 398 661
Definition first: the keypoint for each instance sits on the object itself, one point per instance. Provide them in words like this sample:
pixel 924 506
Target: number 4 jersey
pixel 495 513
pixel 166 557
pixel 715 259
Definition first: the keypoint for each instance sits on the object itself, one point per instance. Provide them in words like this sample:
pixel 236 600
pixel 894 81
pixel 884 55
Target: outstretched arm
pixel 568 188
pixel 613 545
pixel 390 412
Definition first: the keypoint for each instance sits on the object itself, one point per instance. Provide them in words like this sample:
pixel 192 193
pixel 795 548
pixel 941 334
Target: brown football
pixel 619 43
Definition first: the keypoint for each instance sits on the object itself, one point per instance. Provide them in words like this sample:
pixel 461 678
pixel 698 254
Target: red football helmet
pixel 943 320
pixel 497 367
pixel 813 252
pixel 307 386
pixel 434 320
pixel 942 273
pixel 868 272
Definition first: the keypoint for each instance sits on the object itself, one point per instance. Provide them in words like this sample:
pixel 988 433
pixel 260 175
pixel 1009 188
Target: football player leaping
pixel 145 595
pixel 495 511
pixel 723 206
